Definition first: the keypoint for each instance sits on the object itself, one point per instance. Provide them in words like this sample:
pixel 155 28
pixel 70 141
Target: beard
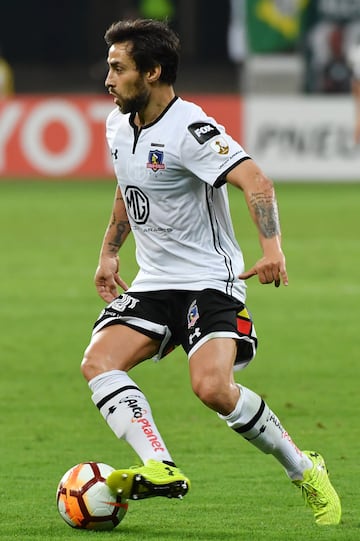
pixel 137 102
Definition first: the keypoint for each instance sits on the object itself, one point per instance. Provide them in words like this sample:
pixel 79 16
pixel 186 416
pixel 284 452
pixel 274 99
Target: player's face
pixel 124 81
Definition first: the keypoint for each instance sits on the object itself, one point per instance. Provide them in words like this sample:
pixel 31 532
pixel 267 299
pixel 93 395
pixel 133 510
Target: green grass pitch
pixel 307 368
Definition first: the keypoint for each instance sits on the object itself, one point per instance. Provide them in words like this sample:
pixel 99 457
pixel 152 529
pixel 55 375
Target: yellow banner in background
pixel 274 25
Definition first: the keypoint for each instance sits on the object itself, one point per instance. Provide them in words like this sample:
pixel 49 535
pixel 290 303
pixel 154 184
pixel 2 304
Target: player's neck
pixel 159 100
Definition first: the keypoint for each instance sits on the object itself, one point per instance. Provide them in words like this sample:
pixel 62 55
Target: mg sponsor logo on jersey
pixel 137 204
pixel 156 160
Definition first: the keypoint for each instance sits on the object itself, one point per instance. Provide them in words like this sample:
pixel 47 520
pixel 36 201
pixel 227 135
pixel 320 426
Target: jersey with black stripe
pixel 172 177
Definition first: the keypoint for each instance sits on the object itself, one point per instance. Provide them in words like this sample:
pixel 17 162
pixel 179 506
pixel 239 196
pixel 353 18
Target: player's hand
pixel 107 279
pixel 269 270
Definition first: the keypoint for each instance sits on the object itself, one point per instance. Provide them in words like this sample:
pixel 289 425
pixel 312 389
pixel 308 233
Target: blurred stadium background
pixel 274 72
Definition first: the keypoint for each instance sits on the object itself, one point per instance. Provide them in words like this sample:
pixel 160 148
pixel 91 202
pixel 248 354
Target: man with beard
pixel 172 163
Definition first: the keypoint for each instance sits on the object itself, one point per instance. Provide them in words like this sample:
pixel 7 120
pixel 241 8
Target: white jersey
pixel 172 177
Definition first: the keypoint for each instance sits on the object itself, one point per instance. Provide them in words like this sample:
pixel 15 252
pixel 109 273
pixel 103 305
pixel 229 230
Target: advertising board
pixel 64 137
pixel 303 138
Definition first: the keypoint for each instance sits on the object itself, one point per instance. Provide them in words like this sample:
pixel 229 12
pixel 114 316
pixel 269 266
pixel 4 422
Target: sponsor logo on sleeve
pixel 203 131
pixel 220 146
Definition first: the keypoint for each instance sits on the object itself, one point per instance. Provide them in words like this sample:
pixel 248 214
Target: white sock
pixel 128 414
pixel 253 419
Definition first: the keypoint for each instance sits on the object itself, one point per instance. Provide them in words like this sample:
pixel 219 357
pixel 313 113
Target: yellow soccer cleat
pixel 153 479
pixel 318 492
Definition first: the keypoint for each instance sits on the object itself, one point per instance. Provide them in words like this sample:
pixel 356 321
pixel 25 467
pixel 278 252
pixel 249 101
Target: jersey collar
pixel 132 116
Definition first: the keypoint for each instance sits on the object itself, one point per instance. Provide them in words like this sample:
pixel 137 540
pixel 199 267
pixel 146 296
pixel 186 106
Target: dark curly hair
pixel 152 42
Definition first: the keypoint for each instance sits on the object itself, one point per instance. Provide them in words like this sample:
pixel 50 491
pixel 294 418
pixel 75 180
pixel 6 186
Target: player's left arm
pixel 260 197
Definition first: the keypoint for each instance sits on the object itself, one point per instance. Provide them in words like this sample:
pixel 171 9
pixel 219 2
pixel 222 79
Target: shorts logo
pixel 123 302
pixel 195 334
pixel 203 131
pixel 156 160
pixel 193 315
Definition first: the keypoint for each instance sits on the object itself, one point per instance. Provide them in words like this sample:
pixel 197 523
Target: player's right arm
pixel 107 276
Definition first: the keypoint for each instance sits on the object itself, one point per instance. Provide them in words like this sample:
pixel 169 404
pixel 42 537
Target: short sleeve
pixel 208 152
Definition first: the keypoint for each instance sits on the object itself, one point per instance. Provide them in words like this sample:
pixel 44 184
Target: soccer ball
pixel 85 501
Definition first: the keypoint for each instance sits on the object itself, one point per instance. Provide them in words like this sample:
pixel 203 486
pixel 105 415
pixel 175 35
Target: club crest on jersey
pixel 155 160
pixel 193 314
pixel 203 131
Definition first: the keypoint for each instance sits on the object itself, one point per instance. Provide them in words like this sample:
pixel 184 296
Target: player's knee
pixel 207 391
pixel 216 393
pixel 91 363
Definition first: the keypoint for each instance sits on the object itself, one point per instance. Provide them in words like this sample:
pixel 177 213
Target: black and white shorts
pixel 186 318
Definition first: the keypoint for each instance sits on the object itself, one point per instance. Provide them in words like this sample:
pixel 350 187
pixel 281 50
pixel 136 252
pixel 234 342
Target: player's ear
pixel 153 75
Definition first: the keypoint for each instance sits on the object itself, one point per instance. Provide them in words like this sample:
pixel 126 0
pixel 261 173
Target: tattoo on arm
pixel 266 212
pixel 121 230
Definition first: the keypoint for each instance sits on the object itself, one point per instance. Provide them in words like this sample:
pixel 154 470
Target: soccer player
pixel 172 164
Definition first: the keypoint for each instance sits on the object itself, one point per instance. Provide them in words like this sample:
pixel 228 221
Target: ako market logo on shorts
pixel 155 160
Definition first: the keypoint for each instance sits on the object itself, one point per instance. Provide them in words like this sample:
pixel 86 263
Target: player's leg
pixel 109 356
pixel 114 350
pixel 213 351
pixel 247 414
pixel 213 355
pixel 211 370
